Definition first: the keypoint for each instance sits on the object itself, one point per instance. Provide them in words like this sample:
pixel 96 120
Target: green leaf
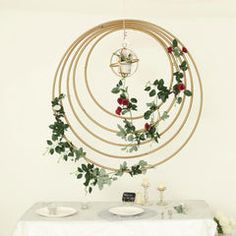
pixel 174 43
pixel 130 138
pixel 149 104
pixel 61 96
pixel 161 83
pixel 183 66
pixel 123 95
pixel 134 100
pixel 188 93
pixel 84 167
pixel 90 189
pixel 179 100
pixel 176 52
pixel 49 142
pixel 147 88
pixel 142 163
pixel 115 90
pixel 155 82
pixel 79 176
pixel 54 137
pixel 152 130
pixel 165 115
pixel 51 151
pixel 147 114
pixel 58 149
pixel 152 93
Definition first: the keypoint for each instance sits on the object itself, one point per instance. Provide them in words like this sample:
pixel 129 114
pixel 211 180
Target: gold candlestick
pixel 145 194
pixel 161 190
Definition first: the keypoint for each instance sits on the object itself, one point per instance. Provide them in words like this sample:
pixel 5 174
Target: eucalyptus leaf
pixel 130 138
pixel 165 115
pixel 176 52
pixel 115 90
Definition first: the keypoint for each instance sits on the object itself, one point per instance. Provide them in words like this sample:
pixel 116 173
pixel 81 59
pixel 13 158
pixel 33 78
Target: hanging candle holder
pixel 124 62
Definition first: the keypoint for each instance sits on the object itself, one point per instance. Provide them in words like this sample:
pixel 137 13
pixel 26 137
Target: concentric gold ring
pixel 98 151
pixel 85 127
pixel 138 24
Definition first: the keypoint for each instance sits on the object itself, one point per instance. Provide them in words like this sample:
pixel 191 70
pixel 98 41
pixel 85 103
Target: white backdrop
pixel 31 44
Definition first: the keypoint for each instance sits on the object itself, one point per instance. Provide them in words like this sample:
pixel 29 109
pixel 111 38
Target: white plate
pixel 60 212
pixel 126 210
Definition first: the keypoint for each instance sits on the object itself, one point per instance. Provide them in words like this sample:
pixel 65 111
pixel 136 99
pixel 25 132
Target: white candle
pixel 139 199
pixel 161 187
pixel 145 182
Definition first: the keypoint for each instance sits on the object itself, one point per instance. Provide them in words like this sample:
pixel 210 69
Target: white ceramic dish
pixel 60 212
pixel 126 210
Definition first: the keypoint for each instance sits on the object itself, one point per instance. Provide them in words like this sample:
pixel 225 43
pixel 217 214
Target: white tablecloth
pixel 97 221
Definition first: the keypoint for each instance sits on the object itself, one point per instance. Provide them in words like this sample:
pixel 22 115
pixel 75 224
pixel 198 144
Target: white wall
pixel 31 44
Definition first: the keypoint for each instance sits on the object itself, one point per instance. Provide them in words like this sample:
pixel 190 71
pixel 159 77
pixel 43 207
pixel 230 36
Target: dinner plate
pixel 126 210
pixel 60 212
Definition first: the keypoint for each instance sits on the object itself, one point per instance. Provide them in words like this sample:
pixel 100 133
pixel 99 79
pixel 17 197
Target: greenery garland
pixel 93 176
pixel 96 176
pixel 160 93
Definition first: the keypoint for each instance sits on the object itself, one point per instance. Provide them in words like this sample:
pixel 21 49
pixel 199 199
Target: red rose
pixel 185 50
pixel 120 100
pixel 125 102
pixel 169 49
pixel 147 126
pixel 118 110
pixel 181 87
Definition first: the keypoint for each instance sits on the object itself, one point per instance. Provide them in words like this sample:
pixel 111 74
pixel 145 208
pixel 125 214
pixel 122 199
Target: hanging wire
pixel 124 44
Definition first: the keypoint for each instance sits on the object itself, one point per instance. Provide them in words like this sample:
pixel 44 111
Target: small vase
pixel 125 68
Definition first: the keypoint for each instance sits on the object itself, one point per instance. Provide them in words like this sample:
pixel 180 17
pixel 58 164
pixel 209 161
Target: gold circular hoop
pixel 93 120
pixel 160 31
pixel 109 142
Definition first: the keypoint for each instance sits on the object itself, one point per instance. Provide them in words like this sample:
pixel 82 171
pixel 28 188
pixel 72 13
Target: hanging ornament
pixel 124 62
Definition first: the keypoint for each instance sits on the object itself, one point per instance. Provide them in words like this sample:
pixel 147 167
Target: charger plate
pixel 60 212
pixel 126 210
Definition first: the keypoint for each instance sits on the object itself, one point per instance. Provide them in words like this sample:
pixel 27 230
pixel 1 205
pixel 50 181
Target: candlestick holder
pixel 145 193
pixel 161 201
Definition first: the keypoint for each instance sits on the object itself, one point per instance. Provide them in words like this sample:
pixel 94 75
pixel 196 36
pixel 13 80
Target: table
pixel 96 220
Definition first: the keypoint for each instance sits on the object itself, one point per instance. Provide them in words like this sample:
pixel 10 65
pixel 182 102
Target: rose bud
pixel 181 87
pixel 169 49
pixel 118 110
pixel 120 100
pixel 125 102
pixel 147 126
pixel 57 108
pixel 185 50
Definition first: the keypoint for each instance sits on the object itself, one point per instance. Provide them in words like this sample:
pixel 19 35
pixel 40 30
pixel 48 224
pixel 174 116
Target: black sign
pixel 128 197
